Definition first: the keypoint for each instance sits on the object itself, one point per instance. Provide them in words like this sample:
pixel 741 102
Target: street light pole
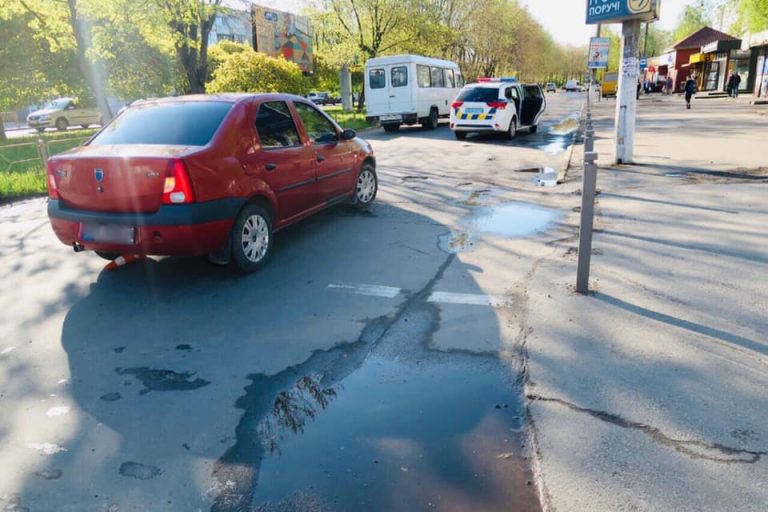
pixel 626 104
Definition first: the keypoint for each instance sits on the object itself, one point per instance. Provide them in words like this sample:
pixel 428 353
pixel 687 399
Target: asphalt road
pixel 26 132
pixel 373 365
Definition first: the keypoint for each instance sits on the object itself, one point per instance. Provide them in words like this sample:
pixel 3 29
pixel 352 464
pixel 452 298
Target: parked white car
pixel 497 105
pixel 410 89
pixel 62 113
pixel 572 86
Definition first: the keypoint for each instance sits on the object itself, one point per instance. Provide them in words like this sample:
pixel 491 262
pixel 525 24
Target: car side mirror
pixel 348 134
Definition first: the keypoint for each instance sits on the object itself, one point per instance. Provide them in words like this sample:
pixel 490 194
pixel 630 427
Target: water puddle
pixel 163 380
pixel 566 126
pixel 381 424
pixel 396 436
pixel 508 220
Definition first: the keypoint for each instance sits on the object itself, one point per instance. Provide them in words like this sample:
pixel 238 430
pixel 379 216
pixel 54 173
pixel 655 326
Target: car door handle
pixel 271 166
pixel 320 158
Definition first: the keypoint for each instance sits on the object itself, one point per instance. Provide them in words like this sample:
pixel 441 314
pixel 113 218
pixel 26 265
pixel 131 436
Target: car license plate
pixel 108 233
pixel 391 117
pixel 474 110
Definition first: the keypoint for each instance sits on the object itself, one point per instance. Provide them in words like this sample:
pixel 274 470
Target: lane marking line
pixel 390 292
pixel 372 290
pixel 471 299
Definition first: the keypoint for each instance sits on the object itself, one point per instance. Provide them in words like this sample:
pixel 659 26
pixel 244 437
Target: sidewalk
pixel 652 393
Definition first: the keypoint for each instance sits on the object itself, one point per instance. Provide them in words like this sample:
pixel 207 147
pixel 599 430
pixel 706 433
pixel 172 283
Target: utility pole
pixel 626 104
pixel 594 72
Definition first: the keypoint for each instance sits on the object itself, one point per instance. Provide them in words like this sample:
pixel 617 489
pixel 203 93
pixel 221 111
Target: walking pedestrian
pixel 733 85
pixel 670 85
pixel 690 90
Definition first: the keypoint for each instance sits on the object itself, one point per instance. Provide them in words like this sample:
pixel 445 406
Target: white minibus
pixel 410 89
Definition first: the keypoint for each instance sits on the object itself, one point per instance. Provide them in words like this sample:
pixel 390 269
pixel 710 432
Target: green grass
pixel 352 120
pixel 22 171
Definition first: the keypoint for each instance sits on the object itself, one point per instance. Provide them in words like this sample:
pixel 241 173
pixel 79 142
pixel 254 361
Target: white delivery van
pixel 410 89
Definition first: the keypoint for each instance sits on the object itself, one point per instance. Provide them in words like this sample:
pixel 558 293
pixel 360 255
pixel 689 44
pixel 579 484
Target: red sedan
pixel 207 174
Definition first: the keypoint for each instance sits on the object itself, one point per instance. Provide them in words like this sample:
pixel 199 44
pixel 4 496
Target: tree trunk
pixel 2 128
pixel 361 101
pixel 88 68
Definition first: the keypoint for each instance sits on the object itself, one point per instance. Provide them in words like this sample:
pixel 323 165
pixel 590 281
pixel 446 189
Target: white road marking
pixel 471 299
pixel 390 292
pixel 60 410
pixel 372 290
pixel 46 448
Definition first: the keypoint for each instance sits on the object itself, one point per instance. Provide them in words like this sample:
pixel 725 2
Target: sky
pixel 568 26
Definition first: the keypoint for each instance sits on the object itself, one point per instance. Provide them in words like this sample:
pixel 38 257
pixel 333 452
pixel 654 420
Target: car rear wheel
pixel 84 126
pixel 391 127
pixel 431 122
pixel 366 187
pixel 252 239
pixel 40 130
pixel 460 135
pixel 533 129
pixel 512 129
pixel 61 124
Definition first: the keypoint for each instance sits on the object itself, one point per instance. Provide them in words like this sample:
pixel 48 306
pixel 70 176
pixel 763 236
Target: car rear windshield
pixel 482 94
pixel 189 123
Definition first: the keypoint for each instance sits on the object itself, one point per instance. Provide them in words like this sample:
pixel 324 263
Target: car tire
pixel 40 130
pixel 533 129
pixel 460 135
pixel 391 127
pixel 366 187
pixel 61 124
pixel 84 126
pixel 107 255
pixel 512 131
pixel 431 122
pixel 252 239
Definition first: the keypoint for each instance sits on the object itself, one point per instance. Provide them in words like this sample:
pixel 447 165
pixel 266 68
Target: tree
pixel 753 14
pixel 693 18
pixel 190 23
pixel 255 72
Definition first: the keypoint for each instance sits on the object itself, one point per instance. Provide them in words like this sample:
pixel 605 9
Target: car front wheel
pixel 252 239
pixel 61 124
pixel 366 187
pixel 460 135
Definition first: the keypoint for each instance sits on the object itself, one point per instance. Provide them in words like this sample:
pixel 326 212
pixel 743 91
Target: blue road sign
pixel 609 11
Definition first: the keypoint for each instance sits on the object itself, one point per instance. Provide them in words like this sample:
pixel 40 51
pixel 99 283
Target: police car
pixel 500 105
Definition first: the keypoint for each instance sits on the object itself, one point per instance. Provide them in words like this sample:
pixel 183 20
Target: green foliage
pixel 693 18
pixel 219 52
pixel 754 14
pixel 255 72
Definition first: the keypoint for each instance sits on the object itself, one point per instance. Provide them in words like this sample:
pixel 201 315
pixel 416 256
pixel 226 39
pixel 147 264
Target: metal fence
pixel 25 156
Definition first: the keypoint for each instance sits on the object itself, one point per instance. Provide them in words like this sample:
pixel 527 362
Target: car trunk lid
pixel 127 178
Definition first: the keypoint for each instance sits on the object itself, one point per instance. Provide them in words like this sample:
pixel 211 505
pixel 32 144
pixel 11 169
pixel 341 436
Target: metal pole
pixel 587 222
pixel 594 73
pixel 626 104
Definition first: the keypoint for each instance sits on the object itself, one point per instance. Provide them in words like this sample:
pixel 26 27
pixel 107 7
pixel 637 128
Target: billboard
pixel 613 11
pixel 278 33
pixel 598 52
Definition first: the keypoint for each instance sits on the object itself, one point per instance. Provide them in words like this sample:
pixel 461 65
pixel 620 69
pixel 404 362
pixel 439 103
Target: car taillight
pixel 53 191
pixel 457 104
pixel 177 188
pixel 498 105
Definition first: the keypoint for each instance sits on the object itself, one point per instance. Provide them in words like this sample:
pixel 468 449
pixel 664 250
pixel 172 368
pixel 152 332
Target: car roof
pixel 495 85
pixel 227 97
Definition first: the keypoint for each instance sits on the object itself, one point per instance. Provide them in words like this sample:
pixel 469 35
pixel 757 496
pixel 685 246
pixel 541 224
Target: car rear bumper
pixel 463 126
pixel 174 230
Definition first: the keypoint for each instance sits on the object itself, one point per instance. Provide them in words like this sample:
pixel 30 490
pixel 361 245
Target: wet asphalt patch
pixel 163 380
pixel 139 471
pixel 383 423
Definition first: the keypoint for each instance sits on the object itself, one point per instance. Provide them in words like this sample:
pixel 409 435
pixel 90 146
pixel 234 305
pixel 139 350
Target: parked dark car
pixel 197 175
pixel 322 98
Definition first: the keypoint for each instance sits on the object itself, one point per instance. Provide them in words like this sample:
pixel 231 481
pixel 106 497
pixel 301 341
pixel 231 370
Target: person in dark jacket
pixel 690 90
pixel 733 85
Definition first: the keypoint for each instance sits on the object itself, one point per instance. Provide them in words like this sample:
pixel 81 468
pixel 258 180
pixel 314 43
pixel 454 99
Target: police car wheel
pixel 460 135
pixel 533 129
pixel 512 129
